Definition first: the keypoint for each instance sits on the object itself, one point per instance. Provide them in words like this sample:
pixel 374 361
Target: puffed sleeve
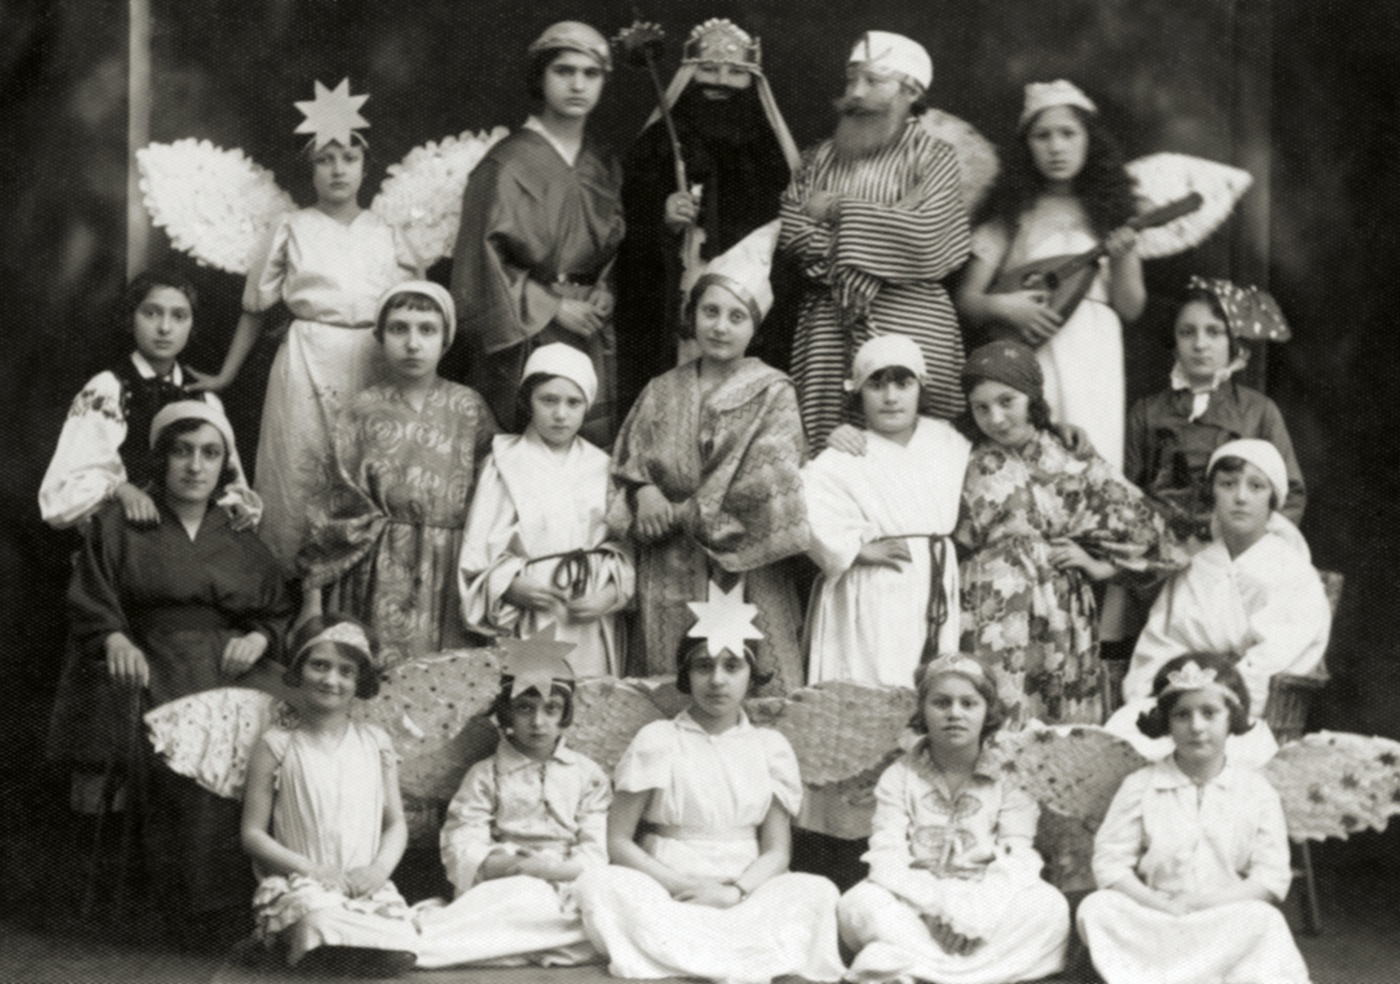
pixel 783 770
pixel 1269 864
pixel 268 272
pixel 1119 843
pixel 648 761
pixel 86 466
pixel 891 861
pixel 591 848
pixel 466 839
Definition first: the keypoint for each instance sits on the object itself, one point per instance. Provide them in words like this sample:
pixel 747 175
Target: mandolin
pixel 1067 278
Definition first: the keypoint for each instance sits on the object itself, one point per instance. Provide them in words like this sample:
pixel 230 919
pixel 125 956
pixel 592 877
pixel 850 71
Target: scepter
pixel 641 45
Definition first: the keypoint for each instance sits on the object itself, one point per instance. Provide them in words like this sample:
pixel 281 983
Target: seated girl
pixel 101 453
pixel 386 533
pixel 699 835
pixel 524 824
pixel 1192 858
pixel 954 894
pixel 322 817
pixel 536 550
pixel 707 480
pixel 1251 592
pixel 1172 434
pixel 881 525
pixel 1041 524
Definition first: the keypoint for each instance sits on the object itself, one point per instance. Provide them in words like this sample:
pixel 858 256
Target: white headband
pixel 346 633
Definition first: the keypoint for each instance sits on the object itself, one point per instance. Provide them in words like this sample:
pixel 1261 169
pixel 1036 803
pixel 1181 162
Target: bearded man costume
pixel 875 219
pixel 738 157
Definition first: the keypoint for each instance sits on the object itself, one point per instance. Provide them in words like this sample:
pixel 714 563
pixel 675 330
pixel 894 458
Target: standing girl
pixel 384 537
pixel 1192 858
pixel 541 222
pixel 699 835
pixel 707 480
pixel 954 894
pixel 523 826
pixel 330 264
pixel 102 453
pixel 322 817
pixel 537 550
pixel 1064 189
pixel 1042 524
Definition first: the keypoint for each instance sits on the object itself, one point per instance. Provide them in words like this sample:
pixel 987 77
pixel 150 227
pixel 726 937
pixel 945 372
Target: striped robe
pixel 875 269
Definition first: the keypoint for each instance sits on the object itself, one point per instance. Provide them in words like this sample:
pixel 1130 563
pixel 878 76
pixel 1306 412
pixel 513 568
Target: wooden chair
pixel 1286 712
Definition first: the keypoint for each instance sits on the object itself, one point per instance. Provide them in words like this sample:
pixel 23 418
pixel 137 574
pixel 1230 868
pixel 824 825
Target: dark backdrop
pixel 1303 92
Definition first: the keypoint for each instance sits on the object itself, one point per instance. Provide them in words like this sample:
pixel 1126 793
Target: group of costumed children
pixel 389 491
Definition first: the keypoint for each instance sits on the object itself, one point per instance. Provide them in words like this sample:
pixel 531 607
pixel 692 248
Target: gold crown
pixel 722 42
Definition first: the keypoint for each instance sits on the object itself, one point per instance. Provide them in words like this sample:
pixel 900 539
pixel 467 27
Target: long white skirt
pixel 787 926
pixel 894 942
pixel 1085 383
pixel 318 370
pixel 505 922
pixel 1241 943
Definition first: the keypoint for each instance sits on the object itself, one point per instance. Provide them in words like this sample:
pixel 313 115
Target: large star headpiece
pixel 725 620
pixel 332 116
pixel 537 662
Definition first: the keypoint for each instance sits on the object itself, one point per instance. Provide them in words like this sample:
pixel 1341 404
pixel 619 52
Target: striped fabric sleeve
pixel 809 241
pixel 923 236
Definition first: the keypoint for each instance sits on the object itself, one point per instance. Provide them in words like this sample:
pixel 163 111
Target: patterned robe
pixel 387 534
pixel 731 460
pixel 1034 623
pixel 876 268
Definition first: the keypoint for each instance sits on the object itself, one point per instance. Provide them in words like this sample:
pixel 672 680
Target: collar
pixel 143 368
pixel 569 154
pixel 987 768
pixel 1166 774
pixel 1180 382
pixel 510 759
pixel 688 723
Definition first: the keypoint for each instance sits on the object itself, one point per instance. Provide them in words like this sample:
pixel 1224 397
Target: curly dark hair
pixel 1156 721
pixel 1229 465
pixel 1103 185
pixel 366 681
pixel 689 648
pixel 501 706
pixel 966 424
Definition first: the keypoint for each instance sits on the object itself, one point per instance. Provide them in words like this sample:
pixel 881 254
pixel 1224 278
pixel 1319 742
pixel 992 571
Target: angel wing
pixel 208 736
pixel 1072 770
pixel 1166 177
pixel 215 204
pixel 422 196
pixel 607 713
pixel 1334 783
pixel 977 157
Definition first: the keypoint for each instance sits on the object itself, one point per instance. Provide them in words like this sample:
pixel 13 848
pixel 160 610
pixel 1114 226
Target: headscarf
pixel 1250 313
pixel 1006 362
pixel 575 36
pixel 885 352
pixel 562 359
pixel 893 54
pixel 1260 453
pixel 193 410
pixel 440 297
pixel 1042 95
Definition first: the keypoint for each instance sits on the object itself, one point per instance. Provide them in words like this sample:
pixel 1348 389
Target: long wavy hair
pixel 1103 185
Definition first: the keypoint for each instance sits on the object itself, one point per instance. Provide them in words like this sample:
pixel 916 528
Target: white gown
pixel 709 794
pixel 1178 837
pixel 533 513
pixel 1085 381
pixel 331 276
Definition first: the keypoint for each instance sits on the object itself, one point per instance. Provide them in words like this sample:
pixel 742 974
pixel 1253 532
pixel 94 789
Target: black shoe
pixel 356 961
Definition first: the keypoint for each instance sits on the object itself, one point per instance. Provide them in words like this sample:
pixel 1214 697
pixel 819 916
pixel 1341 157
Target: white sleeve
pixel 839 529
pixel 86 467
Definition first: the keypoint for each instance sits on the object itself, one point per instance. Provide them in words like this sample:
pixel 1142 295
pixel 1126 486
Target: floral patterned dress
pixel 1036 625
pixel 385 536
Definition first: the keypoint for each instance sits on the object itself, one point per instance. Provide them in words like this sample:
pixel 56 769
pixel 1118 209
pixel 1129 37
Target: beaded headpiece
pixel 345 633
pixel 953 663
pixel 332 116
pixel 1193 677
pixel 720 41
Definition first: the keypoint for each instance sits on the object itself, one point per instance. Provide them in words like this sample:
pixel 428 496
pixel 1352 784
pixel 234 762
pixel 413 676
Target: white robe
pixel 533 503
pixel 869 623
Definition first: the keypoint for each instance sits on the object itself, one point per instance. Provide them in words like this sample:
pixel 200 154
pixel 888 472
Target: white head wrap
pixel 885 53
pixel 744 270
pixel 561 359
pixel 885 352
pixel 1061 92
pixel 208 412
pixel 345 633
pixel 437 292
pixel 1260 453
